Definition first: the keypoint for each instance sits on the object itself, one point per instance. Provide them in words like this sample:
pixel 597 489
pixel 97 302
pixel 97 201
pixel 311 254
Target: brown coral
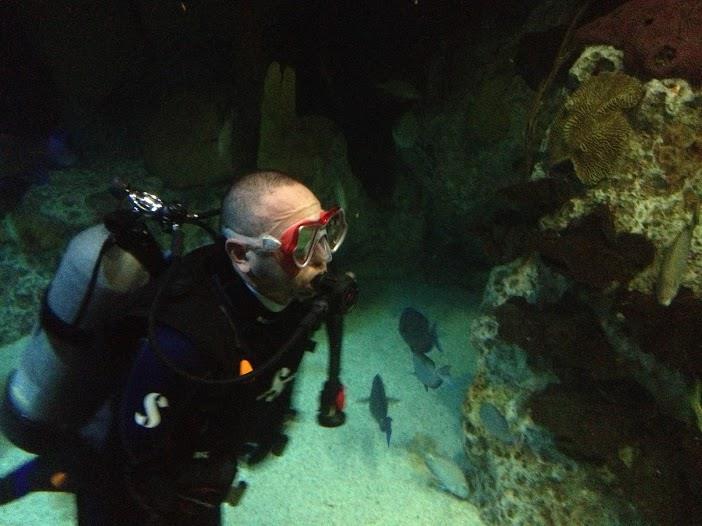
pixel 591 129
pixel 679 153
pixel 591 252
pixel 672 334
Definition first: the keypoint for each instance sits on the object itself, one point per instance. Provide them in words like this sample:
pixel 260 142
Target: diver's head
pixel 278 236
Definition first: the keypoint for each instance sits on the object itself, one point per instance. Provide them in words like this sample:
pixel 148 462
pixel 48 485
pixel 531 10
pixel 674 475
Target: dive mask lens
pixel 327 235
pixel 306 240
pixel 336 230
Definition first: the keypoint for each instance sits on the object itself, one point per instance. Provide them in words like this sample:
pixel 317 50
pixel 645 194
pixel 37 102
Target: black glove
pixel 205 482
pixel 185 489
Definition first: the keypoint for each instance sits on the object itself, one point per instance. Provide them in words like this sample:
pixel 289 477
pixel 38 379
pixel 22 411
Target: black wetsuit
pixel 173 449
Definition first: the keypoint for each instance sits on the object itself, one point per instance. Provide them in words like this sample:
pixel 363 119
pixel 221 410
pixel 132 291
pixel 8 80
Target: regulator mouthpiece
pixel 341 290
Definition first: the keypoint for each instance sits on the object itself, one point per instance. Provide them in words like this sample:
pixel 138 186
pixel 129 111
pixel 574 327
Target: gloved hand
pixel 185 488
pixel 256 452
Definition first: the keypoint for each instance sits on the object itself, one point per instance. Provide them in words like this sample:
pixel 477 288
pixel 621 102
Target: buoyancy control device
pixel 65 372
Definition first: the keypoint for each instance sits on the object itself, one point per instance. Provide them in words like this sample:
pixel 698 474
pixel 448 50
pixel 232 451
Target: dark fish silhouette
pixel 378 403
pixel 427 372
pixel 25 162
pixel 415 330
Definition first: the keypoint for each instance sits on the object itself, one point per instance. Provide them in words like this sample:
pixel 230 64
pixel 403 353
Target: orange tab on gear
pixel 58 479
pixel 245 367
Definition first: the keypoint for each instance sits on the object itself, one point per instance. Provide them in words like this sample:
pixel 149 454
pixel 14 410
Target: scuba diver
pixel 150 378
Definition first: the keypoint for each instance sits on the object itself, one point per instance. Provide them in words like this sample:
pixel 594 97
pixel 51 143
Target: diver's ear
pixel 238 254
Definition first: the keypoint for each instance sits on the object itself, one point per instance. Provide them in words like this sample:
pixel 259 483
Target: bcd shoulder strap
pixel 192 306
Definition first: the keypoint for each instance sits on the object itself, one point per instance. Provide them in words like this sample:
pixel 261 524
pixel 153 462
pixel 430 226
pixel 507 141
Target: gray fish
pixel 447 475
pixel 378 402
pixel 674 263
pixel 427 372
pixel 415 330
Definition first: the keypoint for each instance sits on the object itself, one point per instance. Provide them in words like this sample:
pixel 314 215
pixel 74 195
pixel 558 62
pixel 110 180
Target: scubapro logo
pixel 152 418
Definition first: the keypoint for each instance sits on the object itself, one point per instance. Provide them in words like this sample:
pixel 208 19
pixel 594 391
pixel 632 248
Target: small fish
pixel 57 150
pixel 20 154
pixel 696 402
pixel 427 372
pixel 415 330
pixel 495 423
pixel 675 263
pixel 378 403
pixel 447 475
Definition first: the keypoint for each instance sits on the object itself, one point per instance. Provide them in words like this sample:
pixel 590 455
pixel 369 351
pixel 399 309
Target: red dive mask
pixel 299 241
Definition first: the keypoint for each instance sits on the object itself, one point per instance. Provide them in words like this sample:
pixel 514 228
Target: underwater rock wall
pixel 459 141
pixel 649 186
pixel 660 38
pixel 586 404
pixel 518 475
pixel 565 423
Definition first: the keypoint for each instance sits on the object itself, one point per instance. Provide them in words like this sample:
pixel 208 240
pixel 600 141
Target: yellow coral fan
pixel 591 130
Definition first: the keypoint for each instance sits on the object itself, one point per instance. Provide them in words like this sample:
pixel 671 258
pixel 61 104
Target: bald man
pixel 216 388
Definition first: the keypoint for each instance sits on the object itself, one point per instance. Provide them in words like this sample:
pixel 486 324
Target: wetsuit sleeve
pixel 154 417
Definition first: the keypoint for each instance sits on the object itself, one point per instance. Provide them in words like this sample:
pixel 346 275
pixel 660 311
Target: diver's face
pixel 269 273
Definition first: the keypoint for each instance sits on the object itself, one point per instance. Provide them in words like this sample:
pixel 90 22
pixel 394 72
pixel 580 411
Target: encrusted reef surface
pixel 586 405
pixel 647 185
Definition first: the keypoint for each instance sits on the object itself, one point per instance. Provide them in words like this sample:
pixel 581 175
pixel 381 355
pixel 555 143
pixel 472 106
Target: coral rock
pixel 564 335
pixel 672 334
pixel 593 60
pixel 660 38
pixel 592 424
pixel 591 130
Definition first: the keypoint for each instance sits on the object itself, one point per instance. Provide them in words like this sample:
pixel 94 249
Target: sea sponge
pixel 591 129
pixel 678 154
pixel 659 38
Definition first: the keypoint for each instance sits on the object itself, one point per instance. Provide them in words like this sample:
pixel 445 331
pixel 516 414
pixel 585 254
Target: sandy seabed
pixel 346 475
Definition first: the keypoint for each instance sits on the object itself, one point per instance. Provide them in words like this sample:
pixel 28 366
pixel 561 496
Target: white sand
pixel 346 475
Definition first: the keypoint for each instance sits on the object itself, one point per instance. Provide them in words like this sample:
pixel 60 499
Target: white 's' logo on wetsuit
pixel 152 402
pixel 282 377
